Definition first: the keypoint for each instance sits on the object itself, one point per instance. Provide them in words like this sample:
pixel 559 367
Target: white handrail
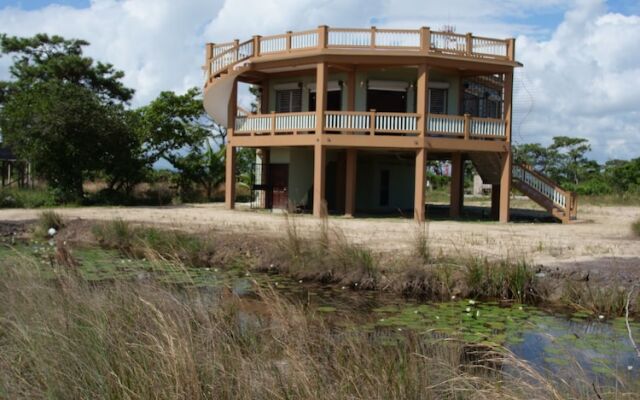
pixel 488 127
pixel 445 124
pixel 539 185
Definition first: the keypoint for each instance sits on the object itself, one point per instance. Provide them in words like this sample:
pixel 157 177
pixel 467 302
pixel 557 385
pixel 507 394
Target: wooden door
pixel 279 182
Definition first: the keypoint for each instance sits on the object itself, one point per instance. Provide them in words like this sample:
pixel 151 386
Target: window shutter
pixel 289 100
pixel 438 101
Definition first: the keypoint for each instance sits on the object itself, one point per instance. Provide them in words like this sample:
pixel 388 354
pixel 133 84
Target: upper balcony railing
pixel 422 41
pixel 371 123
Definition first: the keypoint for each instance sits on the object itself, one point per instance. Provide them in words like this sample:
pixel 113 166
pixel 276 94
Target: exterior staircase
pixel 559 202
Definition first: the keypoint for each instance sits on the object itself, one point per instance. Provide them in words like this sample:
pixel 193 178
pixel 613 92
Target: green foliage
pixel 635 227
pixel 65 114
pixel 26 198
pixel 565 162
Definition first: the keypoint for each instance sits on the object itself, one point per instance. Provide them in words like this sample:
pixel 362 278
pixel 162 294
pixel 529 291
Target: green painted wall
pixel 401 181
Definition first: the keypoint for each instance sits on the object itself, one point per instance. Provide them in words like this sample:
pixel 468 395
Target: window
pixel 384 187
pixel 334 100
pixel 438 101
pixel 386 100
pixel 288 100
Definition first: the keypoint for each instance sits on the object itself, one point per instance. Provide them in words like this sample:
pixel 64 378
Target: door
pixel 387 100
pixel 279 178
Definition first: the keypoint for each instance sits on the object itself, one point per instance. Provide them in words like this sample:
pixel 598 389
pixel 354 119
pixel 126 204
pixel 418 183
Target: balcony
pixel 421 41
pixel 370 123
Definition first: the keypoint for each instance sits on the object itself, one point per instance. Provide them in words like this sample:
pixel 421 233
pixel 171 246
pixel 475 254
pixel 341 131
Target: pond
pixel 553 341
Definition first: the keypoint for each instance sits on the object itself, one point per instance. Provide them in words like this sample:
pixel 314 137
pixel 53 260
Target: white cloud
pixel 581 80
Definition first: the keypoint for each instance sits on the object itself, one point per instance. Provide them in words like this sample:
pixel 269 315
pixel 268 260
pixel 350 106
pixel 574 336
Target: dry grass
pixel 63 338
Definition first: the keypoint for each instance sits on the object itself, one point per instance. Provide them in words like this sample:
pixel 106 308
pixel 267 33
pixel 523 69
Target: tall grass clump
pixel 47 220
pixel 328 256
pixel 502 280
pixel 606 300
pixel 421 242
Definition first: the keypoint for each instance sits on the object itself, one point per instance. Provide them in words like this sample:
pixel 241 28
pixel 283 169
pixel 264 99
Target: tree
pixel 66 114
pixel 568 155
pixel 532 154
pixel 203 166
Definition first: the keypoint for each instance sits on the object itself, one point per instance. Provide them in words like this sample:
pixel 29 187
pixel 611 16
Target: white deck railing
pixel 488 127
pixel 446 124
pixel 540 185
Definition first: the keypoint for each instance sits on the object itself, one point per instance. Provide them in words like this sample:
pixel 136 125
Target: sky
pixel 581 74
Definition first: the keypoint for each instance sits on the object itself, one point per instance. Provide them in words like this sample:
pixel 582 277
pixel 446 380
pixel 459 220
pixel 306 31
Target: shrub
pixel 635 228
pixel 47 220
pixel 27 198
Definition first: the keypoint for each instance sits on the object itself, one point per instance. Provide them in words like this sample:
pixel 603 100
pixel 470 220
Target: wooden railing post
pixel 207 61
pixel 372 122
pixel 323 36
pixel 373 37
pixel 256 45
pixel 425 39
pixel 511 49
pixel 289 40
pixel 236 47
pixel 469 44
pixel 273 123
pixel 467 126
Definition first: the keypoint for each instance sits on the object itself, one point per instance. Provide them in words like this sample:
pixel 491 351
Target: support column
pixel 422 98
pixel 319 152
pixel 495 201
pixel 505 187
pixel 264 97
pixel 421 166
pixel 341 178
pixel 230 178
pixel 457 185
pixel 319 180
pixel 350 192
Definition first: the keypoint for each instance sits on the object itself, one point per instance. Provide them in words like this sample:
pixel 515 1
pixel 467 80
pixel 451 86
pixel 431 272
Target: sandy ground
pixel 602 237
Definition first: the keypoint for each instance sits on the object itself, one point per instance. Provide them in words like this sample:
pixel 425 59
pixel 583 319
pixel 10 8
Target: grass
pixel 64 338
pixel 327 256
pixel 26 198
pixel 47 220
pixel 635 228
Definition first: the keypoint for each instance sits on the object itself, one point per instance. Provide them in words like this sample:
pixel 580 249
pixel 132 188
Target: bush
pixel 635 228
pixel 27 198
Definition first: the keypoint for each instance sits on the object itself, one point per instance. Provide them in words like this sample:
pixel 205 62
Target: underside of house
pixel 13 171
pixel 347 119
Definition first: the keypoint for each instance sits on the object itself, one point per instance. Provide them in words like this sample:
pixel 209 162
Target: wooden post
pixel 207 61
pixel 495 201
pixel 350 193
pixel 511 49
pixel 425 39
pixel 264 176
pixel 256 45
pixel 467 126
pixel 372 122
pixel 469 44
pixel 230 177
pixel 457 185
pixel 321 96
pixel 323 36
pixel 373 37
pixel 319 180
pixel 505 187
pixel 421 166
pixel 422 98
pixel 508 99
pixel 288 41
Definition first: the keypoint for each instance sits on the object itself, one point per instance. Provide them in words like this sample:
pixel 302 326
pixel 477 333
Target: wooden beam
pixel 457 182
pixel 274 140
pixel 351 173
pixel 419 187
pixel 230 178
pixel 508 99
pixel 321 96
pixel 319 180
pixel 505 187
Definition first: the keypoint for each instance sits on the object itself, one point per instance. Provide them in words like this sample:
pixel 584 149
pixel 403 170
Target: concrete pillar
pixel 505 187
pixel 319 180
pixel 421 166
pixel 457 185
pixel 350 189
pixel 230 178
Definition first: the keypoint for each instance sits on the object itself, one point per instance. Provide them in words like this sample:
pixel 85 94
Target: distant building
pixel 14 172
